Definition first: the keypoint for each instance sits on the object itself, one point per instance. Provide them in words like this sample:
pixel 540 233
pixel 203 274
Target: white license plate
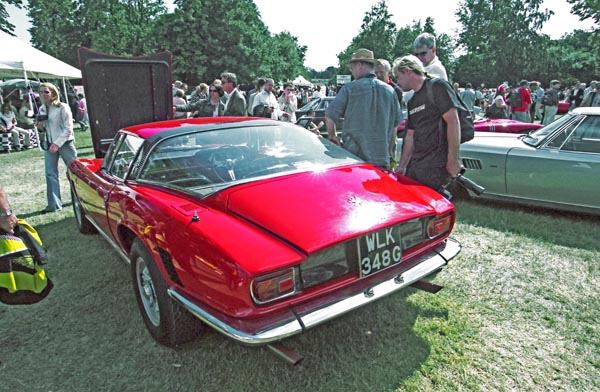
pixel 379 250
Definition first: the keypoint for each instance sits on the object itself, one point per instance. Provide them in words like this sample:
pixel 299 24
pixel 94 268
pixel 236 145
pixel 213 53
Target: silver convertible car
pixel 557 166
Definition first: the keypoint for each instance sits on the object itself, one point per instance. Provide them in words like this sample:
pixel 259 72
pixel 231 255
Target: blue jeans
pixel 67 152
pixel 520 116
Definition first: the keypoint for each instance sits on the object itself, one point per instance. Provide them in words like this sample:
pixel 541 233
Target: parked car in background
pixel 318 105
pixel 219 220
pixel 483 124
pixel 563 107
pixel 557 166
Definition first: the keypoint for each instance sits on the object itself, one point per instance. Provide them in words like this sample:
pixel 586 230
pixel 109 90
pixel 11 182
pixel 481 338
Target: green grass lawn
pixel 519 312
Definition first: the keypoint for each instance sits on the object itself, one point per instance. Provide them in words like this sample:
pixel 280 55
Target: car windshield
pixel 312 105
pixel 207 161
pixel 537 138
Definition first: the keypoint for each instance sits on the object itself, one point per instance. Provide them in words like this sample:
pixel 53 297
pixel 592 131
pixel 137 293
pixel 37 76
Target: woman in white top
pixel 57 123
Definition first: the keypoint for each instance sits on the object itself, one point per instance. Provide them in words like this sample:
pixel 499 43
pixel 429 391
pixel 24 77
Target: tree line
pixel 497 40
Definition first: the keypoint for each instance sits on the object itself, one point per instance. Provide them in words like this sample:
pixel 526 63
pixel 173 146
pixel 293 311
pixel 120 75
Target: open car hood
pixel 310 211
pixel 123 91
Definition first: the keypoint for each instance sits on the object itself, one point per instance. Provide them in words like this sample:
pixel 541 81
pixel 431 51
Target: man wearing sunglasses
pixel 425 50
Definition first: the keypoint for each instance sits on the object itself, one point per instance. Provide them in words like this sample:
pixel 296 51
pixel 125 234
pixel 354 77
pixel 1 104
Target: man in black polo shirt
pixel 429 155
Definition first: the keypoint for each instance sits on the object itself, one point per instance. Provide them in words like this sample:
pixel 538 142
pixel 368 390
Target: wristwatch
pixel 5 213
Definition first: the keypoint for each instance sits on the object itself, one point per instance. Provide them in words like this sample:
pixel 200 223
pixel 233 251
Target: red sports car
pixel 483 124
pixel 258 228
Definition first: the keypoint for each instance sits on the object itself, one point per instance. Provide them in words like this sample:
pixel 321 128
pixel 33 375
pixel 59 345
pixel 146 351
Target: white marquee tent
pixel 301 81
pixel 18 59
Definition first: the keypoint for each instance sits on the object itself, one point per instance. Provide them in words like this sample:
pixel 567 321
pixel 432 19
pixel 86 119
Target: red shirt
pixel 525 100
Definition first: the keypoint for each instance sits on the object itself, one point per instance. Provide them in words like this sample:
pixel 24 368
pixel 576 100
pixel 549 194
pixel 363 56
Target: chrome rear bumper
pixel 430 264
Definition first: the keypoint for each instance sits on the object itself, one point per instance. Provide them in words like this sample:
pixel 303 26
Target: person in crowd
pixel 260 83
pixel 425 50
pixel 426 157
pixel 8 219
pixel 479 97
pixel 265 103
pixel 179 101
pixel 303 96
pixel 25 117
pixel 590 88
pixel 82 103
pixel 210 107
pixel 550 102
pixel 371 112
pixel 498 107
pixel 317 93
pixel 383 70
pixel 592 99
pixel 288 102
pixel 60 141
pixel 576 96
pixel 235 103
pixel 8 124
pixel 468 97
pixel 200 92
pixel 537 93
pixel 177 86
pixel 520 112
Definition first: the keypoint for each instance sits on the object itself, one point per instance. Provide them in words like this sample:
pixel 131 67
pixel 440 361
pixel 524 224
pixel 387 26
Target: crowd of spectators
pixel 264 98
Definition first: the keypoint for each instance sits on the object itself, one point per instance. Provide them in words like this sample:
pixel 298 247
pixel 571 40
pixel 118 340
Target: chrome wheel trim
pixel 147 291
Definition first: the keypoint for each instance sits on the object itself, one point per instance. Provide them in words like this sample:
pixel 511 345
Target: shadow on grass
pixel 89 335
pixel 568 229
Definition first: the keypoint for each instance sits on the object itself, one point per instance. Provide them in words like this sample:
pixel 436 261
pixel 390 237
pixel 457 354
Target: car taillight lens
pixel 439 225
pixel 274 286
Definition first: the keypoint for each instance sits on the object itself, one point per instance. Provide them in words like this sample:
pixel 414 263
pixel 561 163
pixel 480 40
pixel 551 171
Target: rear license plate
pixel 379 250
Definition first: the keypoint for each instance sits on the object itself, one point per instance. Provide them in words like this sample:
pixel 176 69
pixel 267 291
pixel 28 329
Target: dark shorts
pixel 432 177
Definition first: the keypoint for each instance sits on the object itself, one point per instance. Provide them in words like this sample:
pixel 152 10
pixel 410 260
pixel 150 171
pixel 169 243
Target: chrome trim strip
pixel 428 266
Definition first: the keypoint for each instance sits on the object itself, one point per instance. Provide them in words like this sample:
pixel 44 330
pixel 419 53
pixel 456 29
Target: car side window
pixel 586 137
pixel 124 155
pixel 559 138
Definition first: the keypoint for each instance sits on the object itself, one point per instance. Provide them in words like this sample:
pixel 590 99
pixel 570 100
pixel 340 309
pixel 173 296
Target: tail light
pixel 274 286
pixel 440 225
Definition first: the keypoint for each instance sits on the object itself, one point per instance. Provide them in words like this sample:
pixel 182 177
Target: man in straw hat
pixel 370 110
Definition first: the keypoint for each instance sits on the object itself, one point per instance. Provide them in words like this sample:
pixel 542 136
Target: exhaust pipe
pixel 285 353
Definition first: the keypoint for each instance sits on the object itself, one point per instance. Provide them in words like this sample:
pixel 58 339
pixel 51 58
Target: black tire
pixel 84 225
pixel 168 322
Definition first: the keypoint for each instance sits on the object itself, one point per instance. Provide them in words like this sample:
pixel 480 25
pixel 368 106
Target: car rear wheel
pixel 84 225
pixel 167 321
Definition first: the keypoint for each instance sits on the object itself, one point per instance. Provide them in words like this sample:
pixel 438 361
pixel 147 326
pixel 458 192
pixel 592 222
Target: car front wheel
pixel 166 320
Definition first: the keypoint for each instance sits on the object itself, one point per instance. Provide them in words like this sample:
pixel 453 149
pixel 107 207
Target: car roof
pixel 587 110
pixel 161 129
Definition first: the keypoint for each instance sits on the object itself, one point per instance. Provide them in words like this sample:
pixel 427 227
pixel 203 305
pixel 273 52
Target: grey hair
pixel 424 39
pixel 411 62
pixel 229 77
pixel 385 63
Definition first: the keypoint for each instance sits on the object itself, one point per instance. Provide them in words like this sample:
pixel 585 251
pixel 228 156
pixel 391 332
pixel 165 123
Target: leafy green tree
pixel 586 9
pixel 503 34
pixel 5 25
pixel 183 33
pixel 377 33
pixel 122 27
pixel 54 29
pixel 284 58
